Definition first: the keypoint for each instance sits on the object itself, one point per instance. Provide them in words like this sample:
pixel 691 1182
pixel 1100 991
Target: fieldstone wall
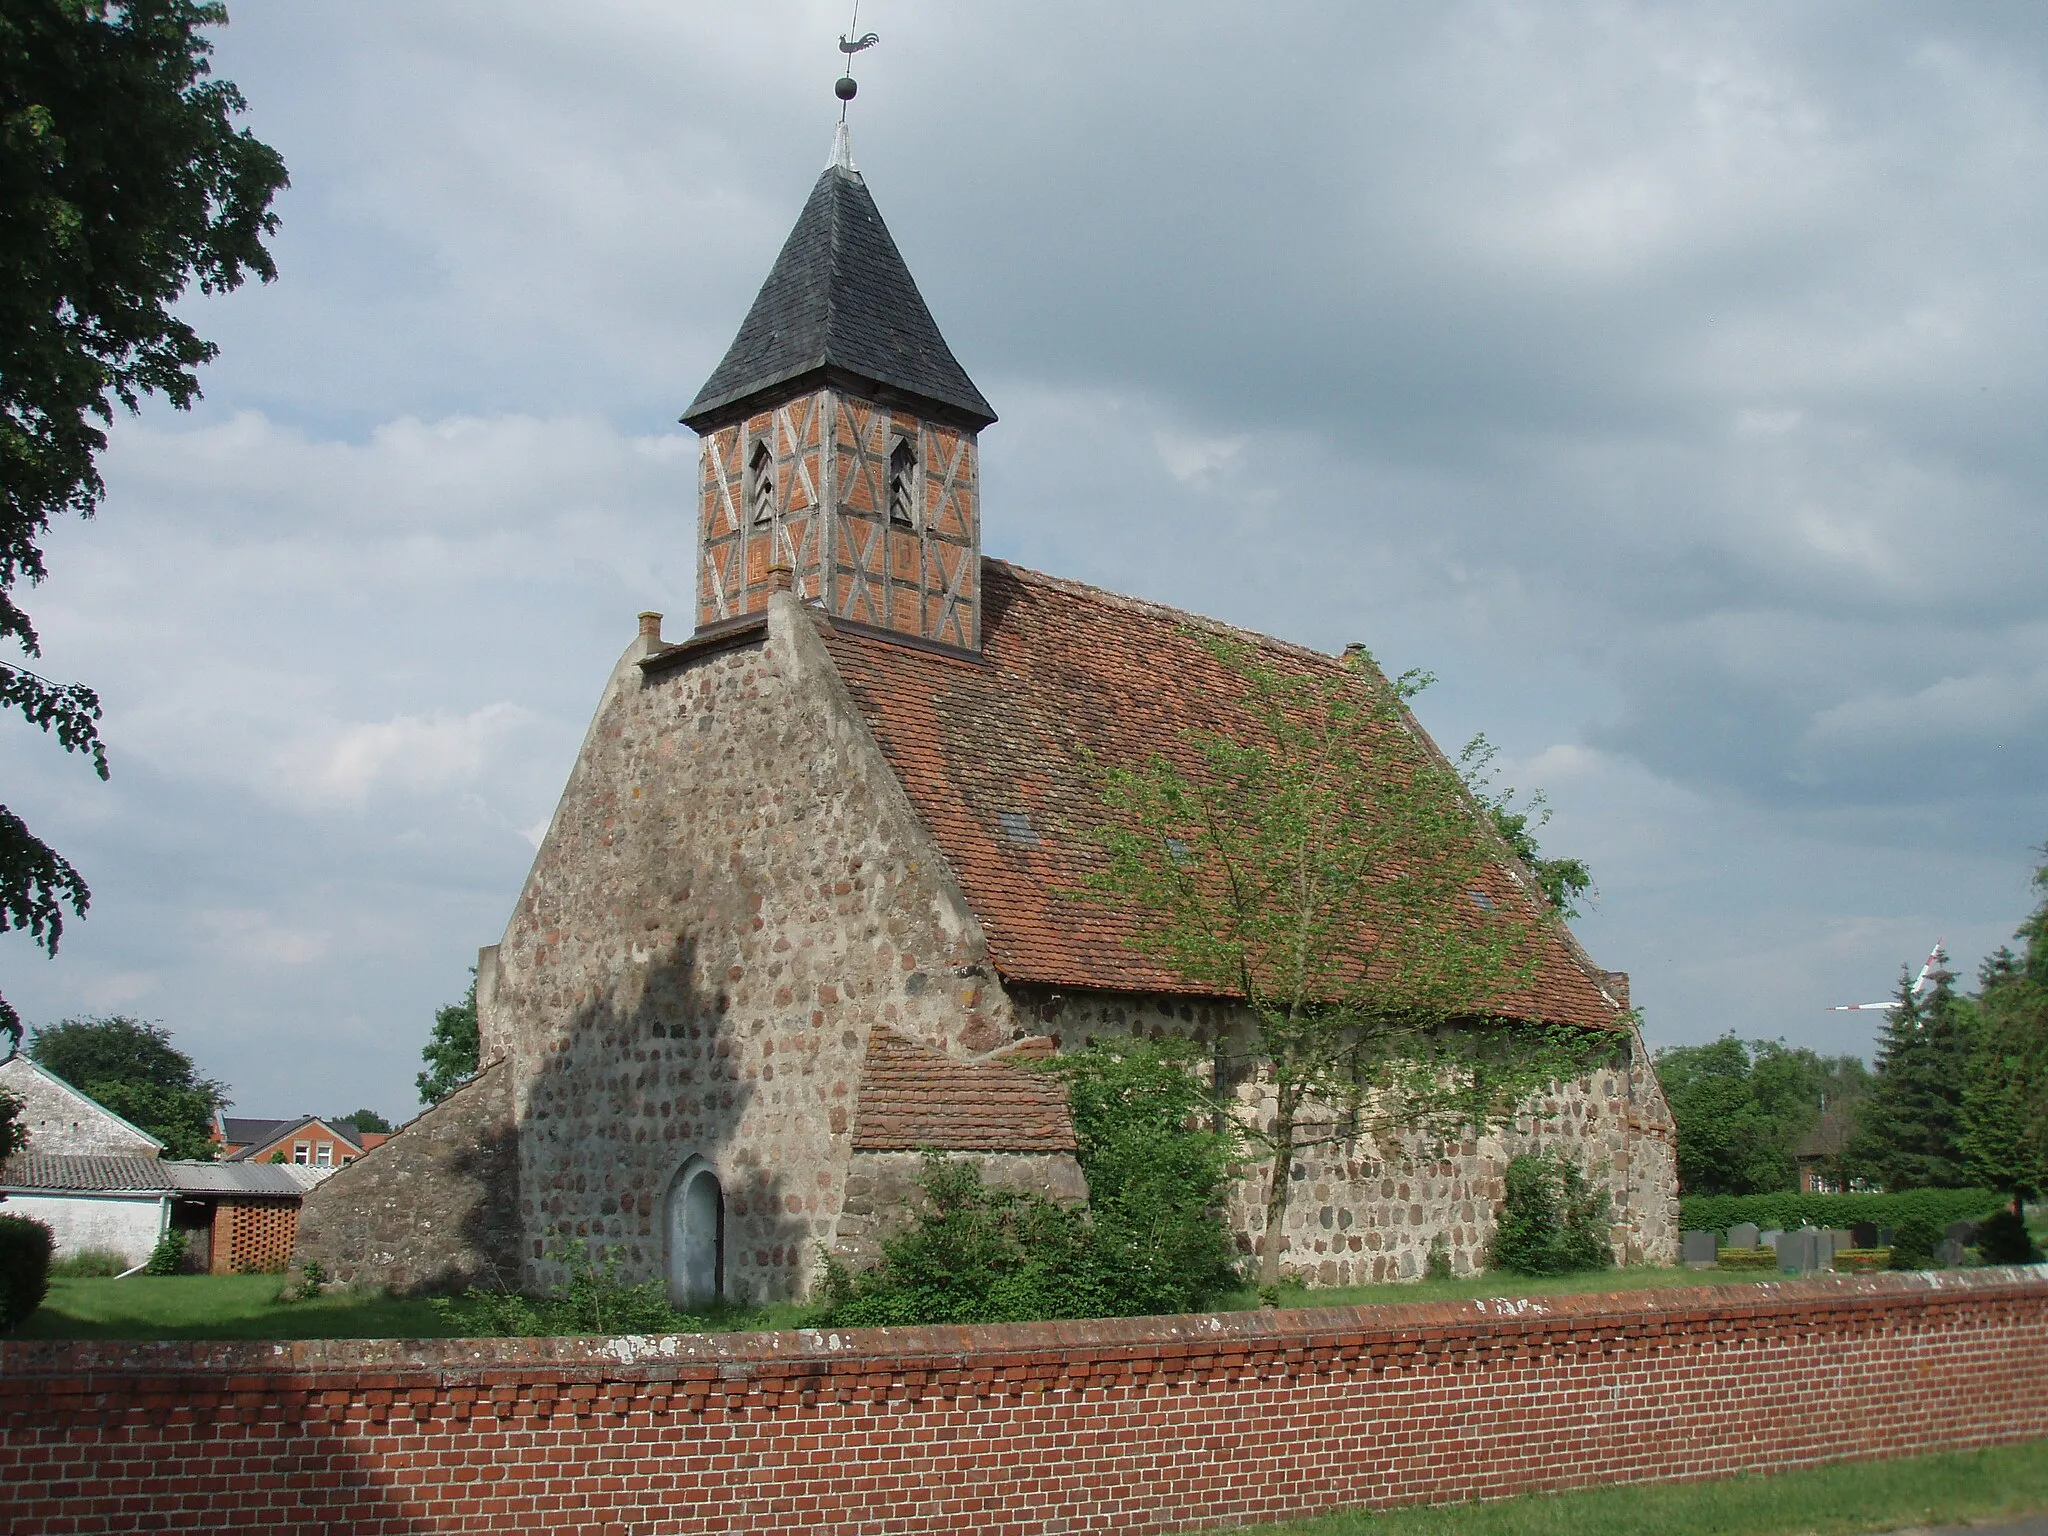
pixel 1363 1211
pixel 733 894
pixel 433 1208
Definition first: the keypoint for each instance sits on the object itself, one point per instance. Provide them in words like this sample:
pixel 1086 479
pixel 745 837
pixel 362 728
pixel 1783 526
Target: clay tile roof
pixel 914 1096
pixel 989 749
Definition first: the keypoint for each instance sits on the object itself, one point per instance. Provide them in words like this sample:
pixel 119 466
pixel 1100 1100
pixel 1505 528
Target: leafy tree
pixel 1742 1109
pixel 1908 1129
pixel 1562 880
pixel 2004 1136
pixel 1726 1144
pixel 451 1050
pixel 365 1120
pixel 123 182
pixel 134 1070
pixel 1320 868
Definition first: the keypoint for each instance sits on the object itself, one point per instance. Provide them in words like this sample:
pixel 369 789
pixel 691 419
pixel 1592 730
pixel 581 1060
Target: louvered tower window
pixel 761 482
pixel 903 483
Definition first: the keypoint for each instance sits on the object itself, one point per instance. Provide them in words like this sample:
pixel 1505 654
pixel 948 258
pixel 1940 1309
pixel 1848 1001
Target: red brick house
pixel 308 1140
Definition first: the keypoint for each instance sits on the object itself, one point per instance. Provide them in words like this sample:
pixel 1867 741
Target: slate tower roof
pixel 838 300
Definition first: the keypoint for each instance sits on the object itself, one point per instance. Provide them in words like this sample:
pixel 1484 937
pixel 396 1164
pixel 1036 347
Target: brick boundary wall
pixel 1155 1424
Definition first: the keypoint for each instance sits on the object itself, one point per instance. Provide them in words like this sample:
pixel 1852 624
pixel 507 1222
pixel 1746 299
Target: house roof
pixel 989 750
pixel 270 1132
pixel 59 1172
pixel 839 297
pixel 243 1131
pixel 1828 1138
pixel 913 1096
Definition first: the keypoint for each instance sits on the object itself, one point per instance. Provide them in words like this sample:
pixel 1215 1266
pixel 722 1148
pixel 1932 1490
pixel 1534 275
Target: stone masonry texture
pixel 1137 1425
pixel 430 1209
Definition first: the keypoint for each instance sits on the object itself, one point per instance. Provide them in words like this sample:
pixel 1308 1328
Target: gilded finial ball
pixel 844 87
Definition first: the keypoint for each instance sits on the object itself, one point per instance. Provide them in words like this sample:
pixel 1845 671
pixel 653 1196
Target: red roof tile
pixel 989 749
pixel 913 1096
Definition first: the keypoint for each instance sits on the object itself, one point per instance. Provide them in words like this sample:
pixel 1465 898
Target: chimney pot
pixel 650 626
pixel 781 578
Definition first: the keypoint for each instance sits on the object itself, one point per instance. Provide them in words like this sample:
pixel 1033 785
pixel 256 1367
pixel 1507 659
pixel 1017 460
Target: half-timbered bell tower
pixel 839 438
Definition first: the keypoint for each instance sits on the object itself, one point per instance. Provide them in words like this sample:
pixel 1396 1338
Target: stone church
pixel 800 907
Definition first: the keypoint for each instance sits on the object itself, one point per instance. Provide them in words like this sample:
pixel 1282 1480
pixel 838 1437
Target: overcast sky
pixel 1667 379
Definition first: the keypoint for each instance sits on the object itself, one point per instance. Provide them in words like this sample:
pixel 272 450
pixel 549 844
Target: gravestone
pixel 1864 1234
pixel 1698 1250
pixel 1800 1252
pixel 1769 1239
pixel 1743 1235
pixel 1838 1238
pixel 1948 1253
pixel 1962 1232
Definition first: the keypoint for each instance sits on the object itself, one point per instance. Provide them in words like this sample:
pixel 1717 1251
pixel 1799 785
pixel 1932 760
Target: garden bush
pixel 2002 1238
pixel 25 1247
pixel 1158 1173
pixel 1789 1211
pixel 168 1256
pixel 1747 1258
pixel 90 1264
pixel 1151 1240
pixel 1913 1241
pixel 973 1255
pixel 1862 1260
pixel 1552 1221
pixel 593 1299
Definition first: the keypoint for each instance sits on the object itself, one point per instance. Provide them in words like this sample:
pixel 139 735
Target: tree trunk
pixel 1289 1101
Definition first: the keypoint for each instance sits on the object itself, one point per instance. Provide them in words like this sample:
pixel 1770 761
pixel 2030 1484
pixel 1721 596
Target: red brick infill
pixel 1149 1424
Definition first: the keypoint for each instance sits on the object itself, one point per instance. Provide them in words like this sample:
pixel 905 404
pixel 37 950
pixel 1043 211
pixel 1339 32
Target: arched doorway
pixel 696 1236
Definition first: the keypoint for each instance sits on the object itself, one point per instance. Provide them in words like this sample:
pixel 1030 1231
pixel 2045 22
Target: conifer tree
pixel 2005 1098
pixel 1908 1129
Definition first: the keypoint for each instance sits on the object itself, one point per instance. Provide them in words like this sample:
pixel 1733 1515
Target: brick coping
pixel 959 1347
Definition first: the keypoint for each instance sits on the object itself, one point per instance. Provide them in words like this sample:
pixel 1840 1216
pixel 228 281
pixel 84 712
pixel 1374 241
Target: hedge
pixel 1789 1211
pixel 25 1246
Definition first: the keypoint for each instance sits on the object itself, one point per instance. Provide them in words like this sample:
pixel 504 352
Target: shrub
pixel 308 1283
pixel 91 1264
pixel 1863 1260
pixel 2002 1238
pixel 1153 1237
pixel 1747 1258
pixel 1552 1221
pixel 25 1247
pixel 1913 1241
pixel 168 1256
pixel 1157 1176
pixel 973 1255
pixel 1789 1211
pixel 593 1299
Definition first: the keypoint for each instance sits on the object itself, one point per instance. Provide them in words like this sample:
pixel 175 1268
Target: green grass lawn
pixel 1958 1488
pixel 1497 1283
pixel 246 1306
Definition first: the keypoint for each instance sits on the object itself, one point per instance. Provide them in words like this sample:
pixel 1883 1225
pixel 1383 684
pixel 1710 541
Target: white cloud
pixel 408 754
